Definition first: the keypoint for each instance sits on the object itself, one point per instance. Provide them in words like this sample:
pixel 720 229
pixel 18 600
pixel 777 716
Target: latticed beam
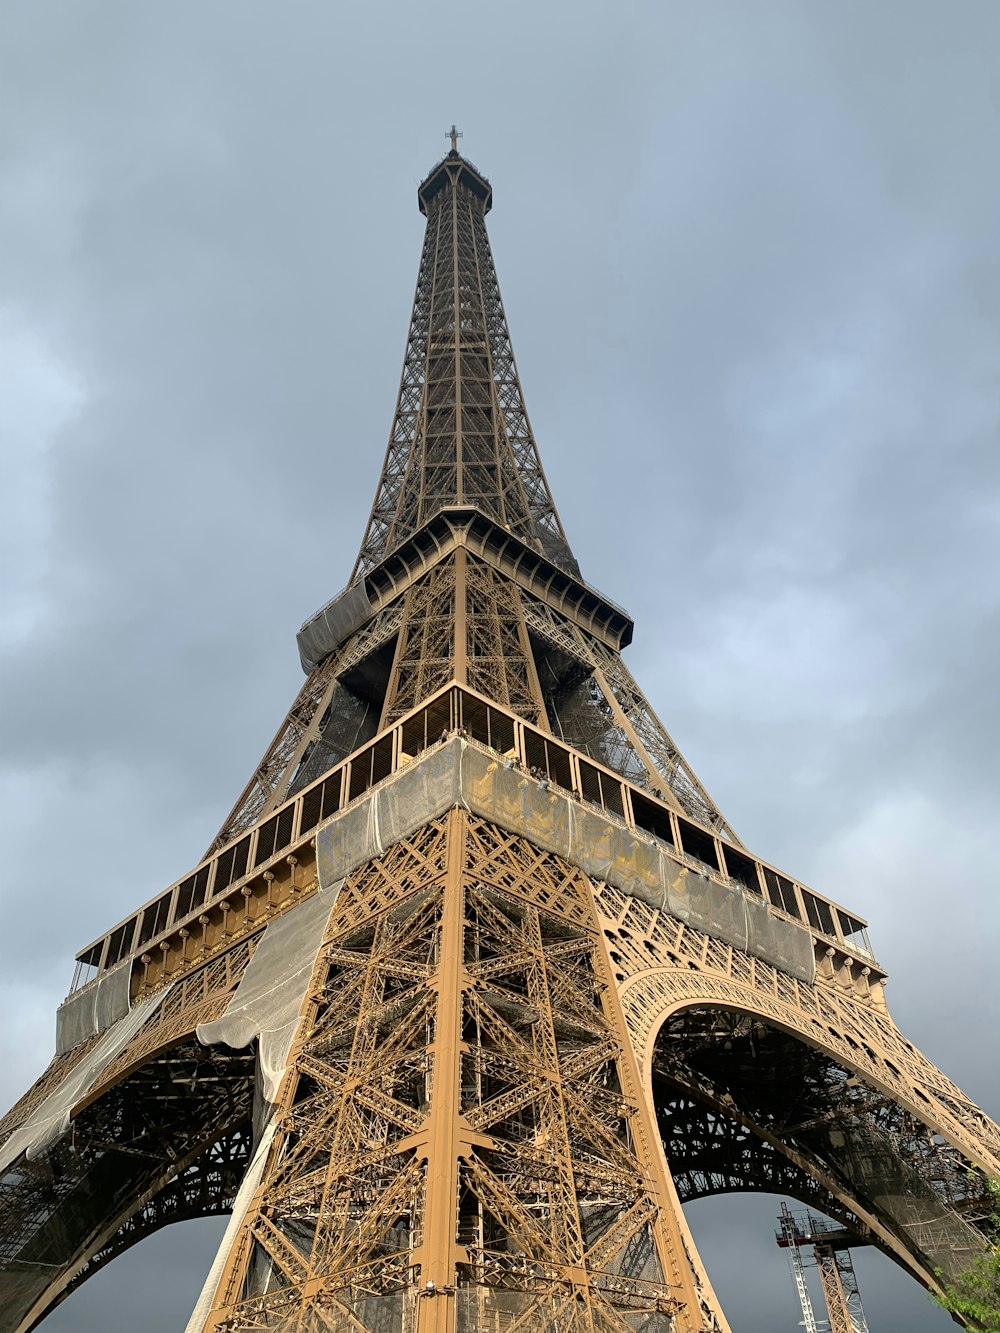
pixel 463 621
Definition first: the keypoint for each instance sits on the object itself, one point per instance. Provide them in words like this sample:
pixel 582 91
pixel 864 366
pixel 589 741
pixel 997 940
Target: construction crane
pixel 800 1232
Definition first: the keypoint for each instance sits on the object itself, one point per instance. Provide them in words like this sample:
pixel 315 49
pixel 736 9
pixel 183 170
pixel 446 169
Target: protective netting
pixel 877 1169
pixel 347 723
pixel 50 1120
pixel 585 720
pixel 266 1004
pixel 330 626
pixel 93 1009
pixel 605 849
pixel 419 793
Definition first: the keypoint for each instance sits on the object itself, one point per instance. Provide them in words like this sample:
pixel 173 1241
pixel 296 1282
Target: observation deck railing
pixel 457 709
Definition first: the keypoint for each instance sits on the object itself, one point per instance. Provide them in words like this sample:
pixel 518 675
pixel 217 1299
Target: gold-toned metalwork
pixel 534 993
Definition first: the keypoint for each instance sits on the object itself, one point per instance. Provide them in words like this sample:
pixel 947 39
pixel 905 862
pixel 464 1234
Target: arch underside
pixel 745 1105
pixel 167 1143
pixel 742 1105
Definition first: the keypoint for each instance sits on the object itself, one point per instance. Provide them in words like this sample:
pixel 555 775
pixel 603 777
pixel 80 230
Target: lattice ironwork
pixel 463 621
pixel 833 1289
pixel 891 1150
pixel 425 654
pixel 692 968
pixel 205 1188
pixel 460 1123
pixel 461 433
pixel 499 662
pixel 311 719
pixel 89 1197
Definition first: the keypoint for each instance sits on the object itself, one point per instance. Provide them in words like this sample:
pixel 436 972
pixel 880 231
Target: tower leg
pixel 815 1074
pixel 461 1141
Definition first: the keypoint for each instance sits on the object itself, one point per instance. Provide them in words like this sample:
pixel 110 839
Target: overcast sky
pixel 749 257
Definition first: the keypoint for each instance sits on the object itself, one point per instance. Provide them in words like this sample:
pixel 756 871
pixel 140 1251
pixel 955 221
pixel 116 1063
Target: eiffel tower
pixel 476 986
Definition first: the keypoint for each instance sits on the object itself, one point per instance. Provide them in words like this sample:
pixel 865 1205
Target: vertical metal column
pixel 798 1271
pixel 438 1253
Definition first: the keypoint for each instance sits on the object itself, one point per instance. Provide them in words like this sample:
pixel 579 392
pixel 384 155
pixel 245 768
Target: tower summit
pixel 476 985
pixel 461 434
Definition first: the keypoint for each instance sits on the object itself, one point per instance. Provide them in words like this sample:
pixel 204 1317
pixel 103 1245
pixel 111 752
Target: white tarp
pixel 94 1009
pixel 244 1195
pixel 267 1002
pixel 50 1119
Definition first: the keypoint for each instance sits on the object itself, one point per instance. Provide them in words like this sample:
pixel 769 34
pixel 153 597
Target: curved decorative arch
pixel 864 1040
pixel 895 1210
pixel 665 968
pixel 173 1116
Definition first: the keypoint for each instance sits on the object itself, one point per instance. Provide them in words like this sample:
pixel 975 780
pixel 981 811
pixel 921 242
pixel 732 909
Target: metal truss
pixel 206 1188
pixel 694 968
pixel 824 1080
pixel 303 728
pixel 840 1289
pixel 500 663
pixel 493 1050
pixel 150 1150
pixel 790 1240
pixel 461 1132
pixel 481 1006
pixel 713 1153
pixel 460 434
pixel 829 1244
pixel 599 708
pixel 463 621
pixel 864 1147
pixel 857 1319
pixel 425 653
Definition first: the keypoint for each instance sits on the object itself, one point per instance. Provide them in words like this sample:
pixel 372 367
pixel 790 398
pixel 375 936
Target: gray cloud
pixel 749 260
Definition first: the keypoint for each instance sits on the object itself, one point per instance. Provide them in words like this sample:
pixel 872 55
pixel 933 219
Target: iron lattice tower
pixel 476 986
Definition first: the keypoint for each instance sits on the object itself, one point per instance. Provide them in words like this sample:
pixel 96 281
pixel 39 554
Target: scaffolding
pixel 830 1245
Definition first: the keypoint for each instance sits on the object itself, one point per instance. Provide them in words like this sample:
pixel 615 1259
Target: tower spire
pixel 465 573
pixel 460 434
